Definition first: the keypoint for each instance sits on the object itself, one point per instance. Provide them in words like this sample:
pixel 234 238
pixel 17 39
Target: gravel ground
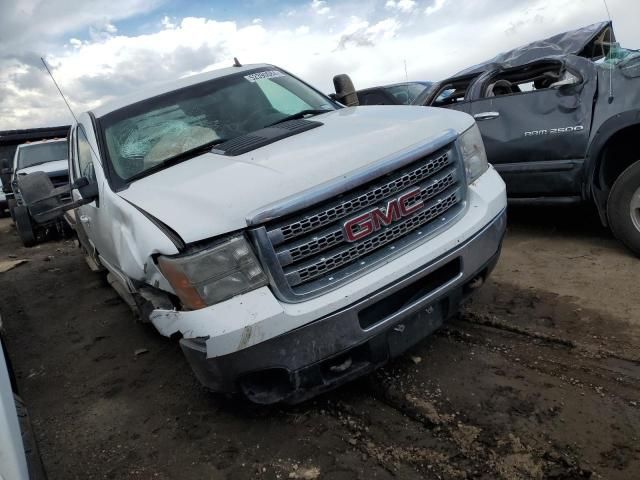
pixel 539 377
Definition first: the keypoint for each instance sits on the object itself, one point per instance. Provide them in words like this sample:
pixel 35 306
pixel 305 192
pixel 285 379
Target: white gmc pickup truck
pixel 291 243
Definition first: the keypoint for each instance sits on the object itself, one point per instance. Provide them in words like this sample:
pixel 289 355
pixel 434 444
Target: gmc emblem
pixel 364 225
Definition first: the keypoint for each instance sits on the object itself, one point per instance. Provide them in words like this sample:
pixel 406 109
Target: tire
pixel 12 205
pixel 623 208
pixel 24 226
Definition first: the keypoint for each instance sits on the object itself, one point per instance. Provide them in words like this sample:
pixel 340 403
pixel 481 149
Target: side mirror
pixel 345 91
pixel 88 190
pixel 6 171
pixel 43 200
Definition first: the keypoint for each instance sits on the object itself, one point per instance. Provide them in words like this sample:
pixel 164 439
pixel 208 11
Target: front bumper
pixel 357 338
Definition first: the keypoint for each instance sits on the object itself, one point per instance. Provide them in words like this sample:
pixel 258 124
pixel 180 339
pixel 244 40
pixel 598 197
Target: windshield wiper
pixel 181 157
pixel 300 114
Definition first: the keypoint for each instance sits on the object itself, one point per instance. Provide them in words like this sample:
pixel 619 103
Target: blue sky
pixel 101 49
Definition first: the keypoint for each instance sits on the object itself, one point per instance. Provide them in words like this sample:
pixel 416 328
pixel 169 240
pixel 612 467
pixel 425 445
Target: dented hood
pixel 590 42
pixel 213 194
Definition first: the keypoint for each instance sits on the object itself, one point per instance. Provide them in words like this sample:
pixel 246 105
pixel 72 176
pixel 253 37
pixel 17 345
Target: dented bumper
pixel 356 339
pixel 254 340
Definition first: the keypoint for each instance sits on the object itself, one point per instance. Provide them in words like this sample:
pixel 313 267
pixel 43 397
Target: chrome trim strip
pixel 320 193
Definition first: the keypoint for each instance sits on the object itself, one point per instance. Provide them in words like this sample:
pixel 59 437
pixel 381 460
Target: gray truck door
pixel 535 123
pixel 452 93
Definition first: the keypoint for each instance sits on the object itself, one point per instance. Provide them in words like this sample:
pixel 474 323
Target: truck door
pixel 452 93
pixel 535 122
pixel 81 165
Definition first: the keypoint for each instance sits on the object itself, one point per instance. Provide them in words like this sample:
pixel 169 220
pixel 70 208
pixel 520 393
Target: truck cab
pixel 32 161
pixel 559 119
pixel 291 243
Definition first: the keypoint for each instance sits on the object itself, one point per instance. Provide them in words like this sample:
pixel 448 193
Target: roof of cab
pixel 154 91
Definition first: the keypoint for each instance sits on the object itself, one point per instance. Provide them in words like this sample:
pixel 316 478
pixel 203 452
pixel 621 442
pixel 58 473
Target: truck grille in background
pixel 307 253
pixel 60 181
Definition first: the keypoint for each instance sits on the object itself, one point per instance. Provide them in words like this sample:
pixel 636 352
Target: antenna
pixel 610 99
pixel 60 91
pixel 607 9
pixel 406 79
pixel 67 103
pixel 236 62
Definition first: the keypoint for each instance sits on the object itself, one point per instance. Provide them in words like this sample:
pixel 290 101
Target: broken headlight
pixel 473 153
pixel 213 275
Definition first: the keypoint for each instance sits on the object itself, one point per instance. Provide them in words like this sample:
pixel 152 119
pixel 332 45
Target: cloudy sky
pixel 99 49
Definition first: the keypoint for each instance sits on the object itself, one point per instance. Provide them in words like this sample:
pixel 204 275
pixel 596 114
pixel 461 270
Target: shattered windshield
pixel 30 155
pixel 147 134
pixel 618 55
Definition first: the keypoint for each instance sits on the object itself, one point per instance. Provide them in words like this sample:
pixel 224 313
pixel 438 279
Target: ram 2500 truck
pixel 291 243
pixel 560 119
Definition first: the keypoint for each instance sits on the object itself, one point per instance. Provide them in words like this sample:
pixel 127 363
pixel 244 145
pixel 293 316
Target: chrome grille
pixel 307 272
pixel 306 253
pixel 345 208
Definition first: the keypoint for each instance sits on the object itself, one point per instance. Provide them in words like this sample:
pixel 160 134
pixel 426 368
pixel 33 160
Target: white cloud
pixel 359 41
pixel 404 6
pixel 302 30
pixel 167 22
pixel 102 30
pixel 75 43
pixel 359 33
pixel 437 5
pixel 320 7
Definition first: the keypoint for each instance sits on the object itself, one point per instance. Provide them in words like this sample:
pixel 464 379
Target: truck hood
pixel 213 194
pixel 61 166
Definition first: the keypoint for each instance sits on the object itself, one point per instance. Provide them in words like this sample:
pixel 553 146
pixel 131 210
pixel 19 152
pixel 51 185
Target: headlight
pixel 473 153
pixel 213 275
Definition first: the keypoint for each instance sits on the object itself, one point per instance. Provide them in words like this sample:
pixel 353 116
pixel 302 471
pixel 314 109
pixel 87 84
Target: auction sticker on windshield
pixel 260 75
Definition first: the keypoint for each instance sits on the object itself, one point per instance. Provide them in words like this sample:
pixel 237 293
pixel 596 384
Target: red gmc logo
pixel 364 225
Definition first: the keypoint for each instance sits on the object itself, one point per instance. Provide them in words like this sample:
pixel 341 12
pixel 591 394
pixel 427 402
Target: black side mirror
pixel 345 91
pixel 88 190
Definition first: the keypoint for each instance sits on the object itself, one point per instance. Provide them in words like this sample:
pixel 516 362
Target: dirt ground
pixel 539 377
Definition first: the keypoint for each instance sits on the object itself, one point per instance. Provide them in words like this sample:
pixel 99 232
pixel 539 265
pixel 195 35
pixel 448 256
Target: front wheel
pixel 623 208
pixel 11 203
pixel 24 226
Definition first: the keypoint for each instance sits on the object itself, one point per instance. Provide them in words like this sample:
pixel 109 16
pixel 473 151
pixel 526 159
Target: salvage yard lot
pixel 538 378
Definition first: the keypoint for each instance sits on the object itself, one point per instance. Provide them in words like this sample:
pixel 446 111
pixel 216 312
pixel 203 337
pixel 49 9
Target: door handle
pixel 486 115
pixel 85 219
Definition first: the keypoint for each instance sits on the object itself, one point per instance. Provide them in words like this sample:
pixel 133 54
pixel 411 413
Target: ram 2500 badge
pixel 291 243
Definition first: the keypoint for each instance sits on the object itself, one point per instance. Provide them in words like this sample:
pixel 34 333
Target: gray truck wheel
pixel 12 205
pixel 623 208
pixel 24 226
